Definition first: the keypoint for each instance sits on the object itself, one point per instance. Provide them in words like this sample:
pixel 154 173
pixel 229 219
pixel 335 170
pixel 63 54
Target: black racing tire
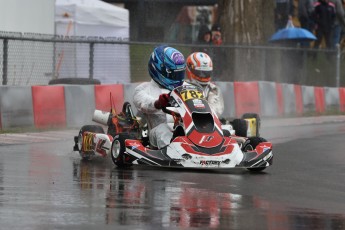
pixel 87 128
pixel 118 149
pixel 240 126
pixel 226 133
pixel 249 145
pixel 74 81
pixel 258 121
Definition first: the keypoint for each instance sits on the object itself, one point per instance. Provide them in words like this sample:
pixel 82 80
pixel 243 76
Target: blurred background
pixel 92 41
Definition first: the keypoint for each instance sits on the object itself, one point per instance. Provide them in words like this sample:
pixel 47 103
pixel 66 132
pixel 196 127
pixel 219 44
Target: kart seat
pixel 178 131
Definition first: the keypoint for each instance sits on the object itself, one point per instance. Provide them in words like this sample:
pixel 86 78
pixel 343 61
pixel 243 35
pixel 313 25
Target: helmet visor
pixel 202 75
pixel 176 75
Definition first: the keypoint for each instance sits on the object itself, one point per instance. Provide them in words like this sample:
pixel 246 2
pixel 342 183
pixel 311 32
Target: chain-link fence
pixel 33 59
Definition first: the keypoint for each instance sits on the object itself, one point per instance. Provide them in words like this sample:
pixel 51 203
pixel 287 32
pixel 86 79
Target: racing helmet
pixel 167 67
pixel 199 68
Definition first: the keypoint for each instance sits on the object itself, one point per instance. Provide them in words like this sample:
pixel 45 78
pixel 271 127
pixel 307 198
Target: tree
pixel 246 22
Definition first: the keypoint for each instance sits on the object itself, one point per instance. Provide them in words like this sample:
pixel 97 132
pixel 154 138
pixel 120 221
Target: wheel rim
pixel 80 141
pixel 115 150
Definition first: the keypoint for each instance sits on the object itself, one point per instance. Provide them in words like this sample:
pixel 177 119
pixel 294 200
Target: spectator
pixel 339 22
pixel 212 39
pixel 305 9
pixel 204 39
pixel 324 16
pixel 217 53
pixel 204 35
pixel 216 35
pixel 283 9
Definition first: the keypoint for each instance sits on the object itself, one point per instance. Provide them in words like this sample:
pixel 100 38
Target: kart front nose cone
pixel 186 156
pixel 227 161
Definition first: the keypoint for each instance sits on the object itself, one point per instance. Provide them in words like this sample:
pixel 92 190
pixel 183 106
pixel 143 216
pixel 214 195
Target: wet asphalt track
pixel 47 186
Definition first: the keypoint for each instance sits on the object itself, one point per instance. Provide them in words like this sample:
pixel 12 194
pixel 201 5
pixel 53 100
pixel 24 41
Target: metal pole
pixel 91 58
pixel 304 67
pixel 263 66
pixel 4 61
pixel 338 66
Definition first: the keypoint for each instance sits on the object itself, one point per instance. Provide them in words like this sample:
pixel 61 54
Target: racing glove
pixel 162 101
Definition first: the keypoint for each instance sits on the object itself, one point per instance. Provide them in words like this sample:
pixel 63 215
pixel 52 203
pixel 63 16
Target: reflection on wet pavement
pixel 45 186
pixel 132 197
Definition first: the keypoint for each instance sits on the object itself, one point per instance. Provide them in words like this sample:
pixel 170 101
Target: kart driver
pixel 167 69
pixel 199 72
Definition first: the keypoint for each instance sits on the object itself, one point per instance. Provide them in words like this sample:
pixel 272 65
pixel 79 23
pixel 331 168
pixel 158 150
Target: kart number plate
pixel 191 94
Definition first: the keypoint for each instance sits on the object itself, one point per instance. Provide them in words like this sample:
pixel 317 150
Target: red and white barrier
pixel 247 97
pixel 73 105
pixel 342 99
pixel 102 96
pixel 49 108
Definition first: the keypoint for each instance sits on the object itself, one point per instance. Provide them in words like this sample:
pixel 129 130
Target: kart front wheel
pixel 118 149
pixel 249 145
pixel 240 126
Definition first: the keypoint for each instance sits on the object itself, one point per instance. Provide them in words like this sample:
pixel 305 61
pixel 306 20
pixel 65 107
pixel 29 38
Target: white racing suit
pixel 213 95
pixel 144 97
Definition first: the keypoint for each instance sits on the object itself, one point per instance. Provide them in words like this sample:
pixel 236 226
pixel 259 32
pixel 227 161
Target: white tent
pixel 92 18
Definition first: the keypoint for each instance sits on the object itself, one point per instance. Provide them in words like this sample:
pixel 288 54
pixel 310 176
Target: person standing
pixel 305 10
pixel 339 22
pixel 324 16
pixel 204 35
pixel 218 53
pixel 283 9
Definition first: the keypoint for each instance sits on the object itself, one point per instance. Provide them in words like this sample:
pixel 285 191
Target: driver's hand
pixel 162 101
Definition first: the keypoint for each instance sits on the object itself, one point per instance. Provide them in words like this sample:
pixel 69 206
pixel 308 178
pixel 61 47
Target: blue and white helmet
pixel 167 67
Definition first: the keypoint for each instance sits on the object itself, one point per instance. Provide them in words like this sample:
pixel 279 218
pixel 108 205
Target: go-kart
pixel 199 139
pixel 93 141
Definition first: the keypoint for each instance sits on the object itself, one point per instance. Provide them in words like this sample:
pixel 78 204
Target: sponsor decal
pixel 206 138
pixel 88 143
pixel 263 147
pixel 191 94
pixel 178 58
pixel 179 101
pixel 100 147
pixel 198 103
pixel 133 144
pixel 186 156
pixel 210 162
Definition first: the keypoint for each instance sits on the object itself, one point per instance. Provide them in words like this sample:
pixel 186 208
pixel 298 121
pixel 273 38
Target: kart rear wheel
pixel 249 145
pixel 118 149
pixel 240 126
pixel 87 128
pixel 257 121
